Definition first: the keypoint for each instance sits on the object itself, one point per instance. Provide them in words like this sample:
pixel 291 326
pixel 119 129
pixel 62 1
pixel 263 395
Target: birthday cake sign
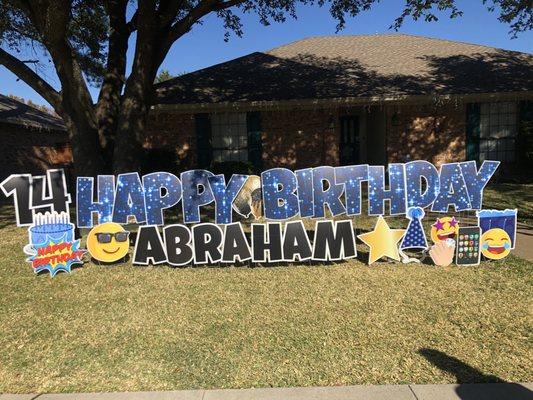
pixel 52 245
pixel 281 198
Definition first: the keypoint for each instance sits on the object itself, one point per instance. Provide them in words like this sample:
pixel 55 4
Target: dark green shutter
pixel 472 131
pixel 255 146
pixel 204 151
pixel 525 133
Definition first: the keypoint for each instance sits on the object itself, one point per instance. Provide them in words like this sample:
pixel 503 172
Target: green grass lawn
pixel 508 195
pixel 155 328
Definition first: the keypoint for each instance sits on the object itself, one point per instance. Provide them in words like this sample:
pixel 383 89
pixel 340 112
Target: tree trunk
pixel 109 100
pixel 78 111
pixel 130 129
pixel 137 93
pixel 86 150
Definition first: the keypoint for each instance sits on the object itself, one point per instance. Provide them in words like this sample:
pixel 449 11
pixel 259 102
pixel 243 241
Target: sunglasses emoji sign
pixel 108 242
pixel 495 244
pixel 444 228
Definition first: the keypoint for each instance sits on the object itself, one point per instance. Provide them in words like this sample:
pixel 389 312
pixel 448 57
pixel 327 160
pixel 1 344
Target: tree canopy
pixel 87 43
pixel 163 76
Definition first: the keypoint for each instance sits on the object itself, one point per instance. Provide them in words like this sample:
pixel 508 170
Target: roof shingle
pixel 354 67
pixel 15 112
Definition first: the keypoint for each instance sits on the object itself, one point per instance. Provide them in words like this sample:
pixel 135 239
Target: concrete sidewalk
pixel 487 391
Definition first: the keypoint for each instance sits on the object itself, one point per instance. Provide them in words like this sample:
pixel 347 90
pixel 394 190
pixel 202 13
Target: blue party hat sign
pixel 415 237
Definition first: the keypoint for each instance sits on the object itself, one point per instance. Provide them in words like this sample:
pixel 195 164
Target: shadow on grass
pixel 466 374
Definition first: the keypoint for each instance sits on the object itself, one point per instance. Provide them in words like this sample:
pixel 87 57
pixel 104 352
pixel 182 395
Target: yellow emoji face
pixel 495 244
pixel 444 228
pixel 108 242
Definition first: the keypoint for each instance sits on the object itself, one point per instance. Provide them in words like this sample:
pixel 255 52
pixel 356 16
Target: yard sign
pixel 284 197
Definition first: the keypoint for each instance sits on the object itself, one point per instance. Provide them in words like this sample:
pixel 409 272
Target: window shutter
pixel 204 151
pixel 525 132
pixel 472 131
pixel 255 146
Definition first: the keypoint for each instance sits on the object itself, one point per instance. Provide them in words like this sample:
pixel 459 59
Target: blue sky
pixel 205 46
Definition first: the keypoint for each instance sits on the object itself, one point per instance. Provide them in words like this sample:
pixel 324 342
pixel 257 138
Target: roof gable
pixel 354 67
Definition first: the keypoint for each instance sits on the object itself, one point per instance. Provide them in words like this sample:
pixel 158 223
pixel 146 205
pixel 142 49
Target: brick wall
pixel 26 150
pixel 300 138
pixel 176 132
pixel 291 138
pixel 433 133
pixel 297 139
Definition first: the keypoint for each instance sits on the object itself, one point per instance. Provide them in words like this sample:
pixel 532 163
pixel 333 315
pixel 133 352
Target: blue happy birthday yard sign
pixel 279 195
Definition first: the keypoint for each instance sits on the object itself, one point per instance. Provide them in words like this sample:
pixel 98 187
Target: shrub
pixel 159 159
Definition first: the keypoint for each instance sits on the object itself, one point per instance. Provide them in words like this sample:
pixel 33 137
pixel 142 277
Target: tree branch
pixel 202 9
pixel 25 73
pixel 51 21
pixel 119 34
pixel 227 4
pixel 131 26
pixel 168 11
pixel 109 98
pixel 22 4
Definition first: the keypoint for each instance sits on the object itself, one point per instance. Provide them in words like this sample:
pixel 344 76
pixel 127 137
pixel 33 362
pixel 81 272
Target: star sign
pixel 383 241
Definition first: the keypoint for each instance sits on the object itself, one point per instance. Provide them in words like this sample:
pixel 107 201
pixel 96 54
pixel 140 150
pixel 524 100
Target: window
pixel 229 137
pixel 497 131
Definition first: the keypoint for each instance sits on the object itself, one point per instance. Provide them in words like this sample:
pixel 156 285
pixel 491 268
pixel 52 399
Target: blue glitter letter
pixel 352 176
pixel 377 194
pixel 476 181
pixel 279 185
pixel 452 189
pixel 155 201
pixel 415 173
pixel 330 196
pixel 305 191
pixel 224 196
pixel 192 197
pixel 85 204
pixel 129 199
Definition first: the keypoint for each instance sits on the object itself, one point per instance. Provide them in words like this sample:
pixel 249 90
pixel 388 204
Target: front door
pixel 349 140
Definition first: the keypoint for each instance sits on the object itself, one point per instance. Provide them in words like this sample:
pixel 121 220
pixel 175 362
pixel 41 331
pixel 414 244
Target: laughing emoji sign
pixel 444 228
pixel 495 244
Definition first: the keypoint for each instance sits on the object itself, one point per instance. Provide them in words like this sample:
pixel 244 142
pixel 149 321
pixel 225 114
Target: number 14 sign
pixel 37 194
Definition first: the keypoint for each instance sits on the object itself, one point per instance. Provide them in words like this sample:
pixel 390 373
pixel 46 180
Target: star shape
pixel 439 225
pixel 383 241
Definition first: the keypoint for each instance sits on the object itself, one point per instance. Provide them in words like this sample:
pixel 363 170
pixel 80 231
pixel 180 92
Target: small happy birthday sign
pixel 52 245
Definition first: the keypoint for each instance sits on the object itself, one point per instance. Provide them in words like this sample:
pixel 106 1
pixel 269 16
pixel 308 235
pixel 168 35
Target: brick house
pixel 32 140
pixel 349 100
